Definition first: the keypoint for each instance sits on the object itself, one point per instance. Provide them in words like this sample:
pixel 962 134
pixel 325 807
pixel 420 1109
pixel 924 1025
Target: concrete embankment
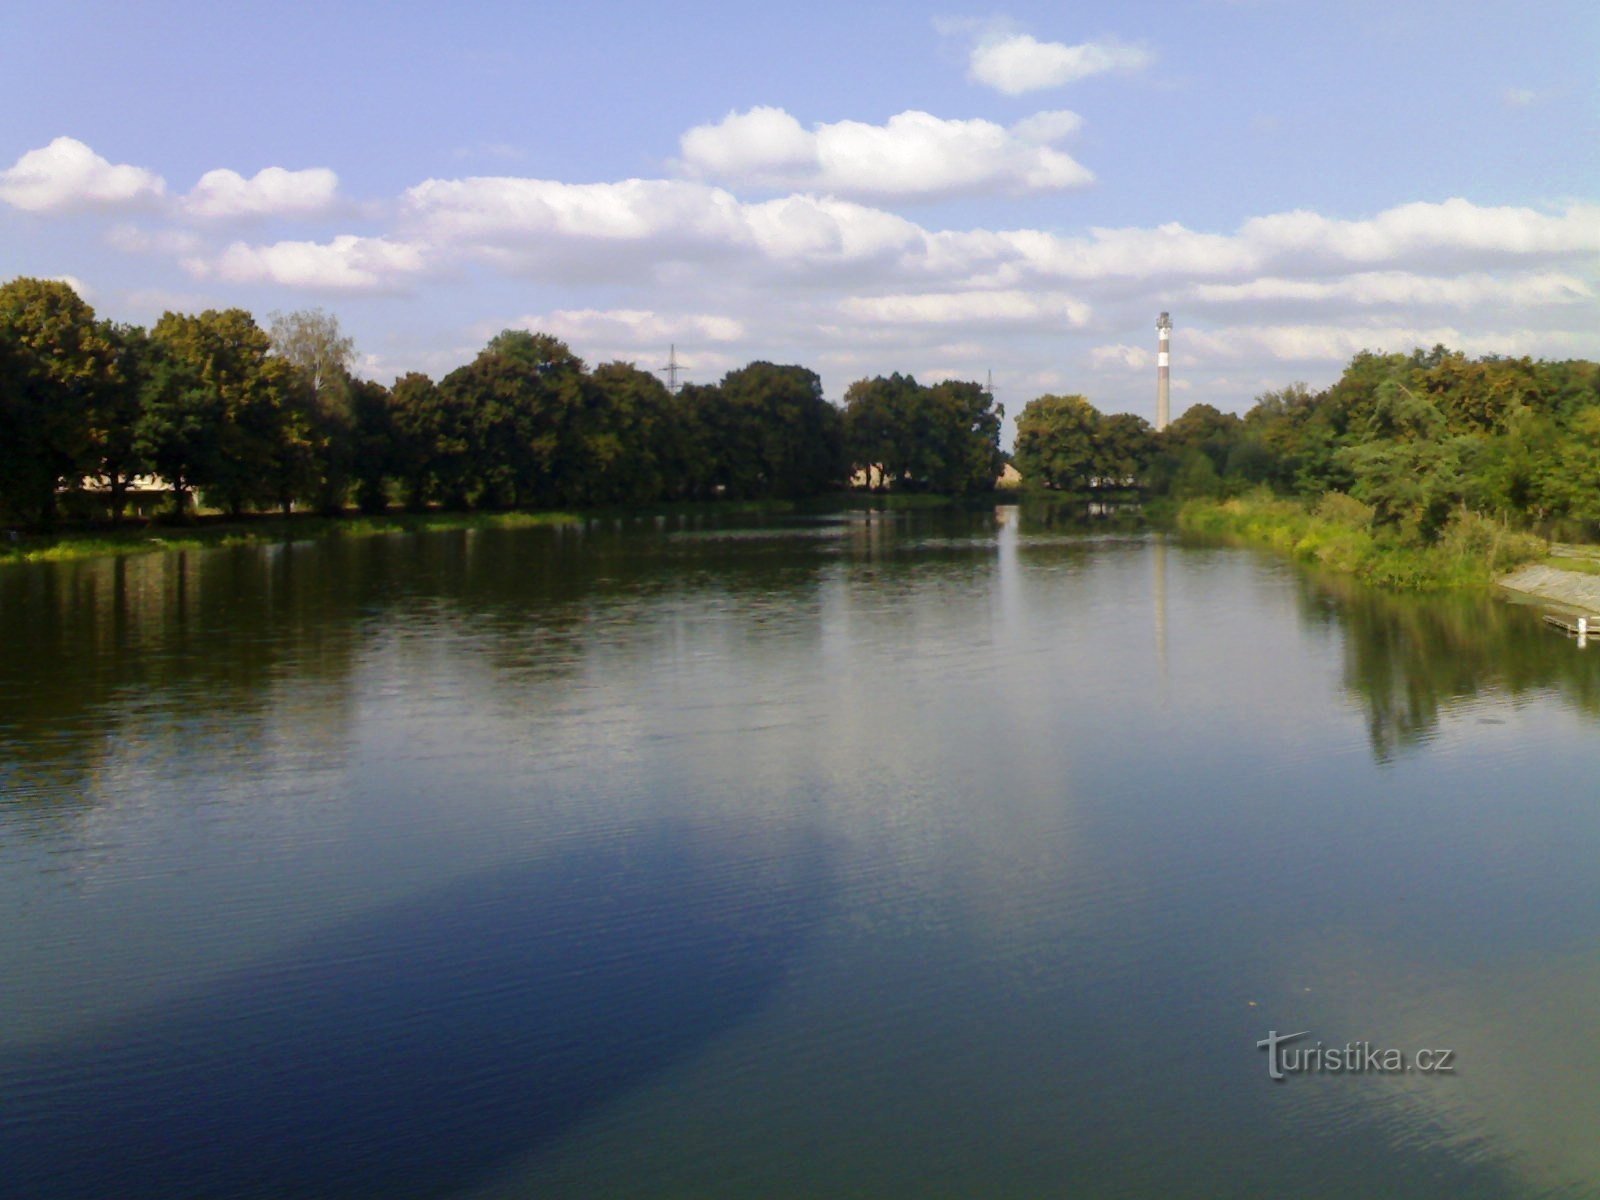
pixel 1575 590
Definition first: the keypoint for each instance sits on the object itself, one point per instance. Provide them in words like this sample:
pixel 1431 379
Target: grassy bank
pixel 1338 533
pixel 205 532
pixel 139 537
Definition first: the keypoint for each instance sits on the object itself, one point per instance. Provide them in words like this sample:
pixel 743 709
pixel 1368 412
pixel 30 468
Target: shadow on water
pixel 409 1053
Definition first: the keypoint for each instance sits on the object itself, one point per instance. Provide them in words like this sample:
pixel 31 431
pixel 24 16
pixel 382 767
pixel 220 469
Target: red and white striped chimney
pixel 1163 372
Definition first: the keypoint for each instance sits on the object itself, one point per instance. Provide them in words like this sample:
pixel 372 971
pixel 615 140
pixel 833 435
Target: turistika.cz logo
pixel 1352 1058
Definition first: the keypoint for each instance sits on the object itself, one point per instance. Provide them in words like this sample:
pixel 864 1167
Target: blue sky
pixel 856 188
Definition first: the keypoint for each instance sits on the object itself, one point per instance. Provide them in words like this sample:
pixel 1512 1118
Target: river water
pixel 860 855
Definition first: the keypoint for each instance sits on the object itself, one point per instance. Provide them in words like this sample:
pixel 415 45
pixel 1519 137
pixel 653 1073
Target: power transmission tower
pixel 672 370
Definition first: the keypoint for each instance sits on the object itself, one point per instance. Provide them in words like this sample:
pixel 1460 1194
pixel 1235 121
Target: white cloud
pixel 1518 97
pixel 941 308
pixel 1338 343
pixel 526 223
pixel 754 143
pixel 814 230
pixel 67 176
pixel 914 154
pixel 1405 288
pixel 1121 356
pixel 1455 227
pixel 513 209
pixel 85 292
pixel 176 243
pixel 348 263
pixel 631 327
pixel 1018 63
pixel 271 192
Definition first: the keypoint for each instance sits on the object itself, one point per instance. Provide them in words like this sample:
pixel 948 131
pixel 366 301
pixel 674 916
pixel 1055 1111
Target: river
pixel 878 855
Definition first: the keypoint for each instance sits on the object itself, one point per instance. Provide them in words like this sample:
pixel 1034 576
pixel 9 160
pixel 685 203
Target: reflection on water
pixel 1412 660
pixel 874 854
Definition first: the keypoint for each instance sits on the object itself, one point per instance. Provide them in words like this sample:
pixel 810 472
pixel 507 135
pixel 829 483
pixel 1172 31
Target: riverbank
pixel 207 532
pixel 1569 578
pixel 1339 534
pixel 211 530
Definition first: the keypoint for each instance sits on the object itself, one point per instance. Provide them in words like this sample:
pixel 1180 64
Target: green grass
pixel 1565 562
pixel 1339 535
pixel 213 530
pixel 210 532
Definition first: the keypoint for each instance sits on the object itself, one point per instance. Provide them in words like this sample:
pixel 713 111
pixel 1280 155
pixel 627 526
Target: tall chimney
pixel 1163 372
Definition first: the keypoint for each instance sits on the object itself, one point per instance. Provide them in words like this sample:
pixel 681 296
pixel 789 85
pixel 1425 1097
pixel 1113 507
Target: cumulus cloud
pixel 67 176
pixel 525 223
pixel 914 154
pixel 347 263
pixel 1017 63
pixel 977 307
pixel 270 192
pixel 506 209
pixel 85 292
pixel 1121 356
pixel 1454 227
pixel 1405 288
pixel 1335 343
pixel 631 327
pixel 132 239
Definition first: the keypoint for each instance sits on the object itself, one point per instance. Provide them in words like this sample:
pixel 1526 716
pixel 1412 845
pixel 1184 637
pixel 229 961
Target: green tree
pixel 625 435
pixel 1124 447
pixel 962 431
pixel 317 454
pixel 427 439
pixel 784 439
pixel 179 431
pixel 229 355
pixel 63 366
pixel 879 428
pixel 374 453
pixel 1055 445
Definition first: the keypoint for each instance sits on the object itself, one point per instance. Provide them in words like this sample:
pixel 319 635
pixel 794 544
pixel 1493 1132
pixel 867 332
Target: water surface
pixel 892 855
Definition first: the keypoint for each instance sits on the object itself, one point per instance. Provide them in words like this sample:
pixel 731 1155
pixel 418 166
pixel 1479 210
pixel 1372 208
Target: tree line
pixel 1412 437
pixel 255 419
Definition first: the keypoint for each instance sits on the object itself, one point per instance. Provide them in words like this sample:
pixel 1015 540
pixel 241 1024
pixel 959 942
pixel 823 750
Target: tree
pixel 423 437
pixel 227 354
pixel 317 458
pixel 624 435
pixel 785 439
pixel 1124 446
pixel 1205 428
pixel 944 438
pixel 373 447
pixel 879 429
pixel 179 431
pixel 115 412
pixel 963 430
pixel 1056 442
pixel 62 367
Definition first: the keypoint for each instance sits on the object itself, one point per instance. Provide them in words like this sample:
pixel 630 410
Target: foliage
pixel 1065 444
pixel 908 437
pixel 1340 533
pixel 1426 453
pixel 1423 468
pixel 60 385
